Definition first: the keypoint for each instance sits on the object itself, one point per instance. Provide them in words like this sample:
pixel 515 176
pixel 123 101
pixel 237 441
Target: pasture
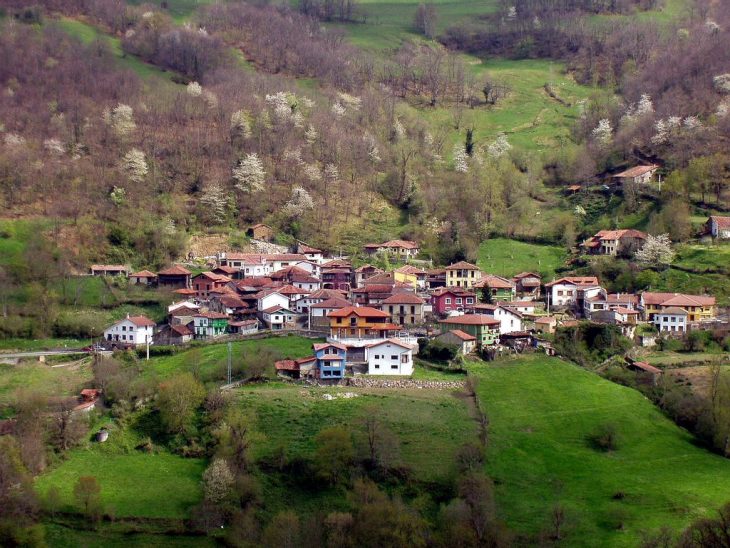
pixel 506 257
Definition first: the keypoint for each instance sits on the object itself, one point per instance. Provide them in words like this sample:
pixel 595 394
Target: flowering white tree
pixel 603 132
pixel 194 89
pixel 218 481
pixel 121 119
pixel 372 147
pixel 499 147
pixel 460 156
pixel 338 109
pixel 722 83
pixel 281 103
pixel 331 173
pixel 210 98
pixel 312 172
pixel 399 130
pixel 54 146
pixel 299 203
pixel 135 165
pixel 241 123
pixel 350 101
pixel 249 174
pixel 14 140
pixel 118 195
pixel 657 250
pixel 215 202
pixel 311 135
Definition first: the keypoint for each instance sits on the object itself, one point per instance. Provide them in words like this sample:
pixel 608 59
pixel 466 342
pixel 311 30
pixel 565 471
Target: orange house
pixel 360 322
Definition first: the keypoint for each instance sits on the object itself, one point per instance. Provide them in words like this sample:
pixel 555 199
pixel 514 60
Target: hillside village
pixel 373 319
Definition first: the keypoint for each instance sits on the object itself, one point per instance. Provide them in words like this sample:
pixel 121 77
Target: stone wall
pixel 369 382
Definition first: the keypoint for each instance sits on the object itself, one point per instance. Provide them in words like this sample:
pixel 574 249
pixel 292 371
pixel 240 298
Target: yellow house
pixel 462 274
pixel 698 307
pixel 360 322
pixel 411 275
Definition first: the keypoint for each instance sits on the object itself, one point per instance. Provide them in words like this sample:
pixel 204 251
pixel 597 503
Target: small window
pixel 469 300
pixel 448 300
pixel 377 366
pixel 404 358
pixel 458 300
pixel 394 367
pixel 394 357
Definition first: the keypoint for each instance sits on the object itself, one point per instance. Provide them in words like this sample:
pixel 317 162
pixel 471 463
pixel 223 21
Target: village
pixel 373 320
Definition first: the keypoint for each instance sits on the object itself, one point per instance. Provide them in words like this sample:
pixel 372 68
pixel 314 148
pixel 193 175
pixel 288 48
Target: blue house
pixel 330 360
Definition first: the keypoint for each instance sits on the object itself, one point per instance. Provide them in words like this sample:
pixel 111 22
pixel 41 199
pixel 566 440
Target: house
pixel 269 297
pixel 229 271
pixel 261 231
pixel 175 277
pixel 337 276
pixel 612 301
pixel 448 299
pixel 282 260
pixel 109 270
pixel 330 360
pixel 498 288
pixel 252 265
pixel 510 320
pixel 131 331
pixel 297 277
pixel 87 400
pixel 572 291
pixel 484 328
pixel 230 305
pixel 173 335
pixel 278 318
pixel 183 315
pixel 303 305
pixel 295 369
pixel 361 322
pixel 402 249
pixel 467 343
pixel 364 272
pixel 435 278
pixel 404 308
pixel 318 312
pixel 243 327
pixel 143 277
pixel 624 318
pixel 411 275
pixel 527 285
pixel 528 308
pixel 462 274
pixel 672 320
pixel 718 227
pixel 204 282
pixel 644 369
pixel 390 357
pixel 373 294
pixel 698 307
pixel 209 325
pixel 623 242
pixel 546 324
pixel 639 175
pixel 311 253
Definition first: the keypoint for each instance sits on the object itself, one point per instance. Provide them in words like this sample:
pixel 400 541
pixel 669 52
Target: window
pixel 413 309
pixel 469 300
pixel 124 328
pixel 394 367
pixel 377 366
pixel 404 358
pixel 448 300
pixel 458 300
pixel 394 358
pixel 377 356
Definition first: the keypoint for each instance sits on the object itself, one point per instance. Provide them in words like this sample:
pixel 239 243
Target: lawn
pixel 430 424
pixel 541 412
pixel 713 257
pixel 179 10
pixel 143 485
pixel 29 345
pixel 109 537
pixel 506 257
pixel 673 280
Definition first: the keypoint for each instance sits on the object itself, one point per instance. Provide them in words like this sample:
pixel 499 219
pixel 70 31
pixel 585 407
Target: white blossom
pixel 118 195
pixel 661 133
pixel 372 146
pixel 135 165
pixel 722 109
pixel 294 156
pixel 656 250
pixel 338 109
pixel 691 123
pixel 241 123
pixel 121 118
pixel 14 140
pixel 350 101
pixel 281 104
pixel 311 135
pixel 194 89
pixel 215 201
pixel 499 147
pixel 580 210
pixel 512 12
pixel 210 99
pixel 331 173
pixel 603 132
pixel 711 26
pixel 218 481
pixel 300 202
pixel 312 172
pixel 399 129
pixel 54 146
pixel 249 174
pixel 722 83
pixel 460 158
pixel 148 15
pixel 307 102
pixel 644 106
pixel 298 119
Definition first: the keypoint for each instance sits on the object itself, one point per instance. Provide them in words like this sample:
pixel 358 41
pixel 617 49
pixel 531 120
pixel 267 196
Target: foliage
pixel 334 454
pixel 657 250
pixel 589 343
pixel 177 401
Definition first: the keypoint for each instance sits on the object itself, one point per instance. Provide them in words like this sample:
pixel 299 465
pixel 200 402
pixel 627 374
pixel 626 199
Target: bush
pixel 604 438
pixel 438 351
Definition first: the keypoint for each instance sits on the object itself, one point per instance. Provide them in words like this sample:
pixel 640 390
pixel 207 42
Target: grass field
pixel 110 537
pixel 29 345
pixel 673 280
pixel 704 256
pixel 541 412
pixel 32 376
pixel 506 257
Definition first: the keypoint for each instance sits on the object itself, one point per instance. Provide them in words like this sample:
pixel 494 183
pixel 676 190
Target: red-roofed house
pixel 143 277
pixel 572 290
pixel 698 307
pixel 364 272
pixel 637 174
pixel 464 341
pixel 718 227
pixel 311 253
pixel 462 274
pixel 261 231
pixel 175 277
pixel 403 249
pixel 447 299
pixel 360 322
pixel 390 357
pixel 209 325
pixel 404 308
pixel 204 282
pixel 279 318
pixel 623 242
pixel 500 289
pixel 484 328
pixel 527 285
pixel 131 331
pixel 173 334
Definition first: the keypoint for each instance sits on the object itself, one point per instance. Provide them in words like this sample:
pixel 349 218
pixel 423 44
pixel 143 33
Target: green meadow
pixel 506 257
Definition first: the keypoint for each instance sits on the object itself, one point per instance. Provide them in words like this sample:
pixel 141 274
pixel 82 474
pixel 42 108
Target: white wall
pixel 388 357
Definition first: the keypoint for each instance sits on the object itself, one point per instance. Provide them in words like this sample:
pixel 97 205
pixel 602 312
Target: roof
pixel 406 244
pixel 231 301
pixel 574 187
pixel 621 233
pixel 526 304
pixel 327 294
pixel 368 268
pixel 141 321
pixel 496 282
pixel 320 346
pixel 182 330
pixel 392 341
pixel 410 269
pixel 143 274
pixel 677 299
pixel 462 265
pixel 674 310
pixel 184 311
pixel 243 323
pixel 526 275
pixel 304 248
pixel 260 225
pixel 112 267
pixel 185 291
pixel 276 308
pixel 622 310
pixel 462 335
pixel 546 319
pixel 403 298
pixel 574 280
pixel 337 263
pixel 211 316
pixel 174 270
pixel 457 291
pixel 646 367
pixel 334 303
pixel 213 276
pixel 471 319
pixel 292 365
pixel 360 311
pixel 227 269
pixel 636 171
pixel 722 222
pixel 291 290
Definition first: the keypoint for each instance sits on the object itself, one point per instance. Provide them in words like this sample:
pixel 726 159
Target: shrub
pixel 604 438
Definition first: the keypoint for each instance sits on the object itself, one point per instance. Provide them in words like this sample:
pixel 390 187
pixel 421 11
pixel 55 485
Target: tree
pixel 67 428
pixel 249 174
pixel 379 442
pixel 334 453
pixel 217 481
pixel 283 531
pixel 425 19
pixel 299 203
pixel 709 532
pixel 235 439
pixel 657 250
pixel 177 400
pixel 134 165
pixel 477 492
pixel 88 494
pixel 121 119
pixel 214 201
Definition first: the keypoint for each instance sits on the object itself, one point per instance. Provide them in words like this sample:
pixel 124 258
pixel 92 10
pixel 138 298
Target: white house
pixel 253 265
pixel 186 304
pixel 313 268
pixel 268 298
pixel 131 331
pixel 282 260
pixel 244 327
pixel 390 357
pixel 312 254
pixel 719 227
pixel 278 318
pixel 572 291
pixel 671 320
pixel 523 307
pixel 509 319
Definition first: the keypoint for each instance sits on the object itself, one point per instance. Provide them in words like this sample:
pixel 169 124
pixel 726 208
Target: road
pixel 15 356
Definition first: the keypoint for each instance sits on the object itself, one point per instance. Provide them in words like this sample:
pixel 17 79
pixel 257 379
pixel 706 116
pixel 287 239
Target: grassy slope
pixel 541 410
pixel 506 257
pixel 430 424
pixel 38 377
pixel 62 537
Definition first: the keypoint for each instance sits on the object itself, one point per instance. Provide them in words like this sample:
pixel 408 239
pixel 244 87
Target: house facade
pixel 278 318
pixel 615 242
pixel 143 277
pixel 483 327
pixel 718 227
pixel 499 289
pixel 390 357
pixel 175 277
pixel 698 307
pixel 404 308
pixel 571 291
pixel 640 175
pixel 464 341
pixel 131 331
pixel 361 322
pixel 330 360
pixel 447 299
pixel 672 320
pixel 208 325
pixel 403 249
pixel 462 274
pixel 204 282
pixel 527 285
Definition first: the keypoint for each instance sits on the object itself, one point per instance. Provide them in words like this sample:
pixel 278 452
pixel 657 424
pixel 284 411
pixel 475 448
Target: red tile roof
pixel 405 244
pixel 360 311
pixel 462 335
pixel 462 265
pixel 676 299
pixel 471 319
pixel 211 315
pixel 636 171
pixel 333 303
pixel 143 274
pixel 496 282
pixel 320 346
pixel 722 222
pixel 175 270
pixel 644 366
pixel 141 321
pixel 392 341
pixel 575 280
pixel 403 298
